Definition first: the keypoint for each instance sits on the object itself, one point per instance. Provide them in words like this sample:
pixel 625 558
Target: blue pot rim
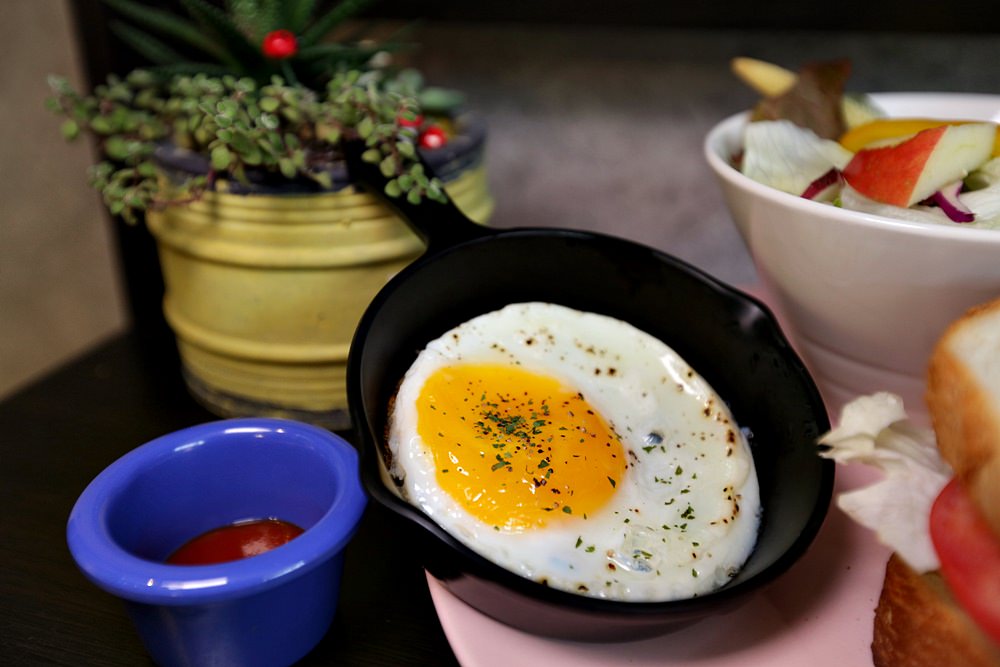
pixel 139 580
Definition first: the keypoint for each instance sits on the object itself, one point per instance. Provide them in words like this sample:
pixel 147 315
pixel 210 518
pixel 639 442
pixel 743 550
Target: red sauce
pixel 239 540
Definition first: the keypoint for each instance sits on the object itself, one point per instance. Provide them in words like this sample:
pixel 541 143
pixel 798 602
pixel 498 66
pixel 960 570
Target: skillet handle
pixel 439 225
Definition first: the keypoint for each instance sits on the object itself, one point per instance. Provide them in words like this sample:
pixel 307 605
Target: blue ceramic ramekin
pixel 266 610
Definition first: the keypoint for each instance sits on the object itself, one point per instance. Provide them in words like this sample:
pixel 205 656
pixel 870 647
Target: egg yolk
pixel 516 449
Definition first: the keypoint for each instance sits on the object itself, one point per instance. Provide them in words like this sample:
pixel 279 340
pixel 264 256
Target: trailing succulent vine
pixel 268 97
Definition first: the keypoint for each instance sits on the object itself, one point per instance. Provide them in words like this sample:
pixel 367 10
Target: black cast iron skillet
pixel 731 339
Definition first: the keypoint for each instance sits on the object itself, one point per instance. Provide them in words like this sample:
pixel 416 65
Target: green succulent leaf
pixel 240 51
pixel 295 14
pixel 328 133
pixel 434 188
pixel 222 158
pixel 227 108
pixel 146 169
pixel 323 178
pixel 406 149
pixel 393 188
pixel 252 156
pixel 243 144
pixel 60 85
pixel 101 125
pixel 239 173
pixel 388 166
pixel 372 155
pixel 255 17
pixel 177 69
pixel 145 44
pixel 70 130
pixel 269 104
pixel 270 121
pixel 337 51
pixel 366 127
pixel 440 100
pixel 116 148
pixel 167 24
pixel 344 10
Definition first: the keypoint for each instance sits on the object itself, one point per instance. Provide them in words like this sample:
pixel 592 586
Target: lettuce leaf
pixel 874 430
pixel 788 157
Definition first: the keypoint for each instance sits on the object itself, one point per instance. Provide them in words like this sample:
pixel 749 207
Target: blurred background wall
pixel 59 292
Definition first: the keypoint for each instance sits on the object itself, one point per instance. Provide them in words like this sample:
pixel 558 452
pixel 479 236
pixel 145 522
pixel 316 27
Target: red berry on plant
pixel 280 44
pixel 433 137
pixel 415 121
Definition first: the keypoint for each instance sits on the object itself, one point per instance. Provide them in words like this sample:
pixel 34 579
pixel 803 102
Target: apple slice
pixel 911 171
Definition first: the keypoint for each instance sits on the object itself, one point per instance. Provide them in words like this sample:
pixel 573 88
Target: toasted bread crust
pixel 918 624
pixel 917 621
pixel 965 407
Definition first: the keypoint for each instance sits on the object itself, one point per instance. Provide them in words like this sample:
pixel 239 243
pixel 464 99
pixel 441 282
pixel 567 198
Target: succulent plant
pixel 267 99
pixel 245 38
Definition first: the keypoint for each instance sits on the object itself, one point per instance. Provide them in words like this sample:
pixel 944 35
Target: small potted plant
pixel 228 148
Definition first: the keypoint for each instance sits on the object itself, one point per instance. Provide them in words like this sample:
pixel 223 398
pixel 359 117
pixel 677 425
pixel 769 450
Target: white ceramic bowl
pixel 865 297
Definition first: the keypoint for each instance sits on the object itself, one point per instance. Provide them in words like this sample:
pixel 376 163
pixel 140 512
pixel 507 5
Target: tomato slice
pixel 970 556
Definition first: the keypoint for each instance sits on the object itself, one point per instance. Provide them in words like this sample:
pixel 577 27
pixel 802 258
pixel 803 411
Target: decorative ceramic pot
pixel 266 284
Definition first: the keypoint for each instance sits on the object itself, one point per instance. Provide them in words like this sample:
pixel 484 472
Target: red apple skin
pixel 889 174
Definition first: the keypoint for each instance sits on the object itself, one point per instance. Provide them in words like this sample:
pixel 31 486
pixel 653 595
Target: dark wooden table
pixel 60 432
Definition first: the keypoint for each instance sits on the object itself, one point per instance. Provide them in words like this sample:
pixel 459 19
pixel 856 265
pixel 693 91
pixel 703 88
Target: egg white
pixel 684 517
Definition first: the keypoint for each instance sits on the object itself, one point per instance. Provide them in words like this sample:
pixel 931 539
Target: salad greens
pixel 807 129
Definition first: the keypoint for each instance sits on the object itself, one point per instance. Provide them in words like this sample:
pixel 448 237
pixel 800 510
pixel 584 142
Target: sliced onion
pixel 825 187
pixel 948 201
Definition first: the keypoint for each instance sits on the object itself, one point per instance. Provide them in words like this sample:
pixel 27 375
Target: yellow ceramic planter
pixel 263 292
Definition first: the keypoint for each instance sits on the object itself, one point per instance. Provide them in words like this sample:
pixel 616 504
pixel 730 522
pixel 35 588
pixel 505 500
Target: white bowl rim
pixel 725 128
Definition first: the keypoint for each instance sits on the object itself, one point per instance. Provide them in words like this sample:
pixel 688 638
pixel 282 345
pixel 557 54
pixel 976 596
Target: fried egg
pixel 577 451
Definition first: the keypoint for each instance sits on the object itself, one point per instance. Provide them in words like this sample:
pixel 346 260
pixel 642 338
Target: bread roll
pixel 918 624
pixel 917 621
pixel 963 396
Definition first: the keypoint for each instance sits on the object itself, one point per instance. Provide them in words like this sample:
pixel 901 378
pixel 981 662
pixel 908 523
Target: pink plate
pixel 818 614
